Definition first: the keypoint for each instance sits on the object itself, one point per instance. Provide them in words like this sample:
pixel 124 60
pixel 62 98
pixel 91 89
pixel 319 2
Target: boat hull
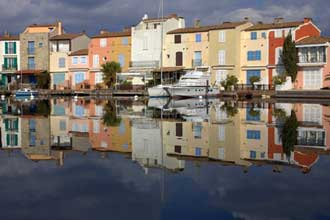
pixel 158 92
pixel 26 94
pixel 198 91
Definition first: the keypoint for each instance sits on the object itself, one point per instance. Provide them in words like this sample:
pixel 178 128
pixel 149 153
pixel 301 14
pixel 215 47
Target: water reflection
pixel 162 133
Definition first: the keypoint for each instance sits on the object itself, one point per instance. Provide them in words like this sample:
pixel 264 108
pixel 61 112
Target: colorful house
pixel 10 59
pixel 35 50
pixel 107 47
pixel 314 63
pixel 78 63
pixel 60 48
pixel 262 47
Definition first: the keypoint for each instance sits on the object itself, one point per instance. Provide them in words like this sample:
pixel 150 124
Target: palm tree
pixel 110 70
pixel 110 118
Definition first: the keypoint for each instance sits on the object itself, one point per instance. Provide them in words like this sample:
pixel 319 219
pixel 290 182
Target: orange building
pixel 107 47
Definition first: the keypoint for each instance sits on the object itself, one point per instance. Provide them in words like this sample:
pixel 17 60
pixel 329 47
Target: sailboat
pixel 25 92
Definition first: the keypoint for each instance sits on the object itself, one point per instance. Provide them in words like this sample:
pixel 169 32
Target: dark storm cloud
pixel 92 15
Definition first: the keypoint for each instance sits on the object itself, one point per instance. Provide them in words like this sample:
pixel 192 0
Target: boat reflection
pixel 165 134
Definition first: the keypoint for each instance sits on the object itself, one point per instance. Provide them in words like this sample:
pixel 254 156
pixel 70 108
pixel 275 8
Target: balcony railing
pixel 31 51
pixel 311 142
pixel 306 59
pixel 145 64
pixel 197 62
pixel 9 68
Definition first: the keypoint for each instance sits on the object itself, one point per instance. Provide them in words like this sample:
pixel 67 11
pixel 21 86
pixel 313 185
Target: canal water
pixel 164 159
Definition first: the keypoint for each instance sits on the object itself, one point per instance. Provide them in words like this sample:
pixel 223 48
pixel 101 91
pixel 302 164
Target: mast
pixel 162 39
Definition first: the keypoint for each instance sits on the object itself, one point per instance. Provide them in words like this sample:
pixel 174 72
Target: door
pixel 312 78
pixel 178 59
pixel 251 73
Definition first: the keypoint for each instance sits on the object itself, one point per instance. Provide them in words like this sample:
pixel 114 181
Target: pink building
pixel 314 63
pixel 79 70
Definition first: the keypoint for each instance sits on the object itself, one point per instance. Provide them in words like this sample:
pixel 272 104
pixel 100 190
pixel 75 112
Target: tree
pixel 254 79
pixel 230 81
pixel 289 57
pixel 110 70
pixel 43 80
pixel 289 133
pixel 110 115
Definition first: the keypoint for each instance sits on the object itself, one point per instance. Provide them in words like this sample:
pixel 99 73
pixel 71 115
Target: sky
pixel 114 15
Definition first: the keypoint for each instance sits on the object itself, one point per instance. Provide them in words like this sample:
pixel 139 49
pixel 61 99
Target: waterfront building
pixel 78 64
pixel 314 63
pixel 148 38
pixel 35 50
pixel 107 47
pixel 9 60
pixel 60 48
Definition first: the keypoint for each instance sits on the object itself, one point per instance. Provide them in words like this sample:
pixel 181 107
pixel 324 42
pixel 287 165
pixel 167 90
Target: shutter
pixel 5 63
pixel 6 124
pixel 6 47
pixel 16 124
pixel 179 131
pixel 8 140
pixel 15 62
pixel 15 140
pixel 14 47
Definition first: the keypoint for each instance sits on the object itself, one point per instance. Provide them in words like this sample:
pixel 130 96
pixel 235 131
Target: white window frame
pixel 222 57
pixel 221 75
pixel 75 60
pixel 96 60
pixel 222 36
pixel 103 42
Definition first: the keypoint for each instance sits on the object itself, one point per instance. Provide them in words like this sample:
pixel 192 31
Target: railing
pixel 31 51
pixel 197 62
pixel 311 142
pixel 256 87
pixel 144 64
pixel 9 68
pixel 304 59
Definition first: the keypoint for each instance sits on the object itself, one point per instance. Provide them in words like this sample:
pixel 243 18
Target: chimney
pixel 173 15
pixel 260 22
pixel 306 20
pixel 59 27
pixel 103 31
pixel 197 23
pixel 145 17
pixel 246 19
pixel 278 20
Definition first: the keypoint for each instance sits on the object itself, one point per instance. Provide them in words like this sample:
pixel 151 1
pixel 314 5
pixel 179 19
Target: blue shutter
pixel 253 35
pixel 258 55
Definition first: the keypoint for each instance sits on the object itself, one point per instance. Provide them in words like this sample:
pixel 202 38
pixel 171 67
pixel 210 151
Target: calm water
pixel 163 159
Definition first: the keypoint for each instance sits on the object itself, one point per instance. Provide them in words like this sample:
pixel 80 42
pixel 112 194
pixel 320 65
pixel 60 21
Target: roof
pixel 66 36
pixel 169 69
pixel 313 40
pixel 114 34
pixel 225 25
pixel 79 52
pixel 43 25
pixel 9 37
pixel 262 26
pixel 161 19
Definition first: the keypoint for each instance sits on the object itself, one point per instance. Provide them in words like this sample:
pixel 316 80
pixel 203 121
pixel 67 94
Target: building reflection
pixel 167 134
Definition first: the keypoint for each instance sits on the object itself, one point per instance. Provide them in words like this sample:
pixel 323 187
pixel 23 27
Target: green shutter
pixel 15 140
pixel 8 139
pixel 6 63
pixel 16 124
pixel 6 124
pixel 6 47
pixel 15 62
pixel 14 47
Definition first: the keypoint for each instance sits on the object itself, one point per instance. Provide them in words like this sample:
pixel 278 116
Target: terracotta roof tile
pixel 66 36
pixel 79 52
pixel 275 25
pixel 114 34
pixel 10 37
pixel 313 40
pixel 225 25
pixel 43 25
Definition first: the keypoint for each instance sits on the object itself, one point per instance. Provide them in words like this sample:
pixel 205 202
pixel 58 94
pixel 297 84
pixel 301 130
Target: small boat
pixel 159 91
pixel 26 93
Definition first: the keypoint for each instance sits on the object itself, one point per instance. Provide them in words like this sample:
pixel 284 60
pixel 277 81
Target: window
pixel 263 155
pixel 254 55
pixel 222 57
pixel 254 35
pixel 177 39
pixel 75 60
pixel 79 110
pixel 32 140
pixel 96 126
pixel 198 152
pixel 10 47
pixel 31 47
pixel 83 60
pixel 198 38
pixel 251 73
pixel 124 41
pixel 278 55
pixel 253 154
pixel 179 129
pixel 121 60
pixel 103 42
pixel 61 62
pixel 32 125
pixel 10 63
pixel 58 78
pixel 12 139
pixel 312 113
pixel 197 129
pixel 221 75
pixel 41 44
pixel 222 36
pixel 98 110
pixel 79 77
pixel 96 60
pixel 253 135
pixel 177 149
pixel 264 35
pixel 98 77
pixel 122 128
pixel 31 64
pixel 278 33
pixel 221 153
pixel 252 115
pixel 62 125
pixel 222 132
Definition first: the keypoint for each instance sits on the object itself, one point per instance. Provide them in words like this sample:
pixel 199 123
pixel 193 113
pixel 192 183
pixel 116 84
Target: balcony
pixel 144 64
pixel 9 68
pixel 197 62
pixel 313 142
pixel 30 51
pixel 312 59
